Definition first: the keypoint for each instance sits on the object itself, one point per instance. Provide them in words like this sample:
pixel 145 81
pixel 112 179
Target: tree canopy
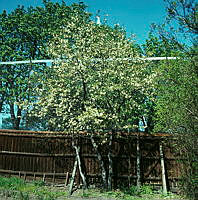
pixel 99 85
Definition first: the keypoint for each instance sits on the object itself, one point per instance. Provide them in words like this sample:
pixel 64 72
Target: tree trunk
pixel 104 173
pixel 1 105
pixel 110 163
pixel 2 98
pixel 138 163
pixel 15 119
pixel 18 120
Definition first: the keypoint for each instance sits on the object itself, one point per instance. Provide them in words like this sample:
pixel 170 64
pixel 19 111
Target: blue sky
pixel 134 15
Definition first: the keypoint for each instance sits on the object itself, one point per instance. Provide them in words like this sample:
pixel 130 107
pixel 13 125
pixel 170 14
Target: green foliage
pixel 39 183
pixel 22 196
pixel 177 96
pixel 176 113
pixel 159 47
pixel 143 190
pixel 11 183
pixel 189 182
pixel 146 189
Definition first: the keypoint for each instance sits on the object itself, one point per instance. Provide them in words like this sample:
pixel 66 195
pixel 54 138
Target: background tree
pixel 24 36
pixel 181 22
pixel 176 113
pixel 176 87
pixel 184 12
pixel 156 46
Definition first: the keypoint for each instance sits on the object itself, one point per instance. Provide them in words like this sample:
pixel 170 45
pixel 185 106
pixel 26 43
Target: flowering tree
pixel 96 83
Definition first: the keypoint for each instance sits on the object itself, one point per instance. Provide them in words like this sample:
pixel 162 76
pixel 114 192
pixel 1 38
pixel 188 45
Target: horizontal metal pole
pixel 109 59
pixel 26 62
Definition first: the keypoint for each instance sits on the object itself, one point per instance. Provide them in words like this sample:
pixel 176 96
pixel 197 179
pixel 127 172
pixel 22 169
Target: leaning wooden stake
pixel 73 176
pixel 164 184
pixel 77 149
pixel 138 163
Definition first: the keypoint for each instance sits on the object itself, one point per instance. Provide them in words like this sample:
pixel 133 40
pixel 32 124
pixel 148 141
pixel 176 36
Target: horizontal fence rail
pixel 50 156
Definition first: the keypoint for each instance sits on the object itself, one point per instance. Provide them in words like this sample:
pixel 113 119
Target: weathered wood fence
pixel 50 156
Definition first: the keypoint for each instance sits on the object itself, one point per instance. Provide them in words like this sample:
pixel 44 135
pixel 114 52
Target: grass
pixel 15 188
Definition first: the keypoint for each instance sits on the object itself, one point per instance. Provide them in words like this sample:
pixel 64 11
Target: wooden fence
pixel 50 156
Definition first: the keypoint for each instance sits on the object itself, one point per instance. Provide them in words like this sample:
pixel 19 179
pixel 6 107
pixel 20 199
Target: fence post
pixel 164 184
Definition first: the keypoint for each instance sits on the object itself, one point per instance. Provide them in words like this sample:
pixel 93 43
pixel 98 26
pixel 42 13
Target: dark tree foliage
pixel 175 109
pixel 185 12
pixel 24 35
